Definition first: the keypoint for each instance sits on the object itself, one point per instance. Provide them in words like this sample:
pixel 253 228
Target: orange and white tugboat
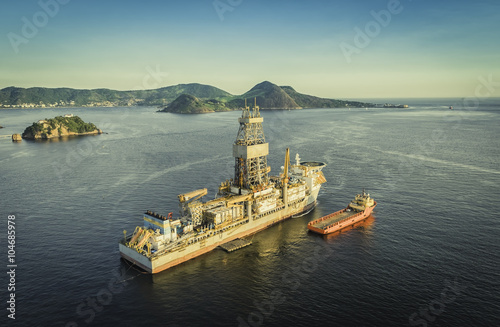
pixel 359 208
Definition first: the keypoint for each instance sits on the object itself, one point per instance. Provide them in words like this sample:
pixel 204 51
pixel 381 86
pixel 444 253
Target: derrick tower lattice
pixel 250 151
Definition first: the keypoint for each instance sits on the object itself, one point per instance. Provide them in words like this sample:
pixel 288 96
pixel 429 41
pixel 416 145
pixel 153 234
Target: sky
pixel 328 48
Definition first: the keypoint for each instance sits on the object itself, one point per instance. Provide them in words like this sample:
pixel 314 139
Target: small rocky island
pixel 59 126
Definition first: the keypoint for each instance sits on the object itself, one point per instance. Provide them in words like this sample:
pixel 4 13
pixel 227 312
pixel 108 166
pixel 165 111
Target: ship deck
pixel 333 218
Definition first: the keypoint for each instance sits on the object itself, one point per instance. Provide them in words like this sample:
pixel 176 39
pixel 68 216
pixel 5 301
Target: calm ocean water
pixel 430 256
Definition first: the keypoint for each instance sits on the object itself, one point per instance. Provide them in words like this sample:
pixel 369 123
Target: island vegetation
pixel 58 127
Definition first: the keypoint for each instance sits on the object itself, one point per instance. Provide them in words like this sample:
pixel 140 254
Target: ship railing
pixel 327 217
pixel 127 239
pixel 172 245
pixel 343 220
pixel 267 213
pixel 199 238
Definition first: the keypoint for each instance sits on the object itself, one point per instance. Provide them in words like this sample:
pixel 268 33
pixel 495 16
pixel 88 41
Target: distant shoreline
pixel 159 110
pixel 76 107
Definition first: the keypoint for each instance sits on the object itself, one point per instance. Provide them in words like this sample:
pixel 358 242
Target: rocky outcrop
pixel 59 127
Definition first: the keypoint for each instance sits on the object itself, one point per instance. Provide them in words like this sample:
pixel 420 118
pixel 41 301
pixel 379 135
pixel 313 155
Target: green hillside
pixel 15 96
pixel 309 101
pixel 267 95
pixel 188 104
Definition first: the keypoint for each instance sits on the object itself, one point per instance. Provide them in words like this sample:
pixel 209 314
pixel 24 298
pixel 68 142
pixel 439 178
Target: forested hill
pixel 267 96
pixel 37 97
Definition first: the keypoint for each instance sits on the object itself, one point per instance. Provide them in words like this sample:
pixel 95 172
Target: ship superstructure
pixel 245 204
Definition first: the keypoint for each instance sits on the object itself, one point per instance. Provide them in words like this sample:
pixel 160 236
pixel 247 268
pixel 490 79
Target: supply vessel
pixel 251 201
pixel 359 208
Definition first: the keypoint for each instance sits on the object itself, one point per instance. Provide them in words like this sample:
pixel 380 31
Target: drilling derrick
pixel 250 151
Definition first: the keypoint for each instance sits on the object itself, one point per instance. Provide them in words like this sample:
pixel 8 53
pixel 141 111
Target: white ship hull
pixel 156 264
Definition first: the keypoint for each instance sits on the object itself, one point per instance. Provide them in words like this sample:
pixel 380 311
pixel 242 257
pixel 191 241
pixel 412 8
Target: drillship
pixel 244 205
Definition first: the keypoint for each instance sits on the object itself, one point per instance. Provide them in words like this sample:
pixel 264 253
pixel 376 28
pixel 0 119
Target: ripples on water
pixel 435 178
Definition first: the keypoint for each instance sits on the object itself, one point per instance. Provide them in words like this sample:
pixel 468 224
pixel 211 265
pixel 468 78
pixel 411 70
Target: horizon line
pixel 161 87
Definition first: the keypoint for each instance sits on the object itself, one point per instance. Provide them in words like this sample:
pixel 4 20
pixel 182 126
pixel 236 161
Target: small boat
pixel 451 107
pixel 359 208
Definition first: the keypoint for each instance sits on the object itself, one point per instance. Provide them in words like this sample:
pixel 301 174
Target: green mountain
pixel 267 95
pixel 170 93
pixel 309 101
pixel 188 104
pixel 36 96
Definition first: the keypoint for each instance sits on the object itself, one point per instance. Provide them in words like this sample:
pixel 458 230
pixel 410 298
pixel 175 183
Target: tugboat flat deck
pixel 332 218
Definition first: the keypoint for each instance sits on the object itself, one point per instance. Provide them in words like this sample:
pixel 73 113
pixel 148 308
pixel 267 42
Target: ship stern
pixel 135 258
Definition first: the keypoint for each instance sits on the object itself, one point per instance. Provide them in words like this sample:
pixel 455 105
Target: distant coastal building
pixel 389 105
pixel 40 104
pixel 68 115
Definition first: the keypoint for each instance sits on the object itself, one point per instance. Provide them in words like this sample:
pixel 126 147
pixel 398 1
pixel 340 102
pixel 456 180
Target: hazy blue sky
pixel 423 49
